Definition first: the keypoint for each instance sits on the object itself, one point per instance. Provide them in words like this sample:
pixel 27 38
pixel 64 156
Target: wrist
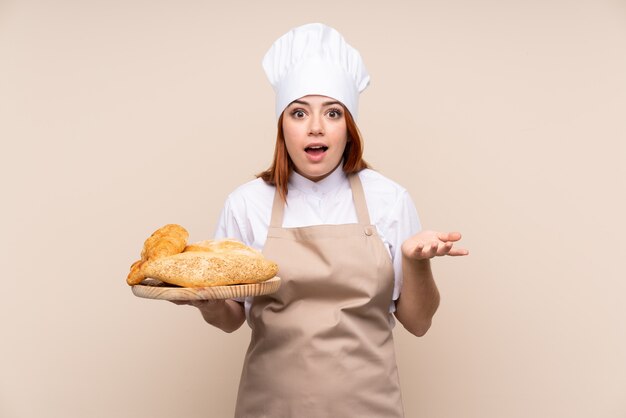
pixel 416 262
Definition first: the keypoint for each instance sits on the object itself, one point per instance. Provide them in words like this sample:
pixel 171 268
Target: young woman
pixel 348 243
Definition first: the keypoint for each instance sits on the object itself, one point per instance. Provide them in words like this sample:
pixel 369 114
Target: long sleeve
pixel 227 224
pixel 401 222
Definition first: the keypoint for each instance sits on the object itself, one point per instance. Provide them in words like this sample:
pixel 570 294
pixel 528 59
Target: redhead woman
pixel 352 255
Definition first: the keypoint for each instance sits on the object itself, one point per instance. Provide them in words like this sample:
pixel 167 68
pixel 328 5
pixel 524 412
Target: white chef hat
pixel 315 59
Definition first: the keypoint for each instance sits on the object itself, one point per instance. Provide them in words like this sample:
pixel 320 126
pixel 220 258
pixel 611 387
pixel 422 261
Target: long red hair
pixel 282 165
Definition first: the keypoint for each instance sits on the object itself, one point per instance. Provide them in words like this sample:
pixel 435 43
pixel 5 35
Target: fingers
pixel 429 244
pixel 438 249
pixel 202 303
pixel 433 249
pixel 458 252
pixel 449 236
pixel 445 249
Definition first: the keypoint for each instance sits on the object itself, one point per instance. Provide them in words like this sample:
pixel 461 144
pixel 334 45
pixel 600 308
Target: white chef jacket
pixel 247 211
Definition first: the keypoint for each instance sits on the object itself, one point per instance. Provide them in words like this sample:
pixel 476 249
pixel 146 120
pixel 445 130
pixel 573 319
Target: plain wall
pixel 503 119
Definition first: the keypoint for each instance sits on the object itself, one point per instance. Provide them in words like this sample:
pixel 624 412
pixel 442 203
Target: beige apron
pixel 322 345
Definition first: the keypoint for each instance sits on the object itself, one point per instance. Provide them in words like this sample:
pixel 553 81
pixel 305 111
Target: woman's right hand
pixel 227 315
pixel 200 304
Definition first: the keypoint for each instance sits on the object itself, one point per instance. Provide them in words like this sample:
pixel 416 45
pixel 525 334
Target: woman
pixel 347 241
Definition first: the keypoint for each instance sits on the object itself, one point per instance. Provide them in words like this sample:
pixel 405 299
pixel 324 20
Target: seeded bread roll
pixel 204 268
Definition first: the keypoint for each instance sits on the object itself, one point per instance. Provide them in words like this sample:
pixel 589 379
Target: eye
pixel 298 113
pixel 334 113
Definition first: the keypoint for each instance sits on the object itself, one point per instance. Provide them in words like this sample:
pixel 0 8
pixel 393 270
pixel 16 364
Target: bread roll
pixel 167 257
pixel 221 246
pixel 168 240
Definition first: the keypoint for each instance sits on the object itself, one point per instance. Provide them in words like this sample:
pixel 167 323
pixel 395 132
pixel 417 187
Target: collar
pixel 333 181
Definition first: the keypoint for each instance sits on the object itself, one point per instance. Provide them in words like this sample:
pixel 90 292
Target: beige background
pixel 504 119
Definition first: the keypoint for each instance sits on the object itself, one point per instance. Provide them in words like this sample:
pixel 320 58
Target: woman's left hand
pixel 428 244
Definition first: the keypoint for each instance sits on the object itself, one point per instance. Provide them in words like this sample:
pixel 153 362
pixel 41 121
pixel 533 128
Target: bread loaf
pixel 204 268
pixel 221 246
pixel 167 257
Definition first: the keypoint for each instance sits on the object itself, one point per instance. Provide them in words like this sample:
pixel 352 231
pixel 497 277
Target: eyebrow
pixel 302 102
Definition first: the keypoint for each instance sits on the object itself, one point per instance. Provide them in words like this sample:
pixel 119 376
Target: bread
pixel 167 257
pixel 168 240
pixel 204 268
pixel 221 246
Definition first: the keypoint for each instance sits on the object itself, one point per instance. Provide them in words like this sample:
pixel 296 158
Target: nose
pixel 316 126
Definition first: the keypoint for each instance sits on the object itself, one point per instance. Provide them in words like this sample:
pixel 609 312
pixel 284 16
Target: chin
pixel 317 175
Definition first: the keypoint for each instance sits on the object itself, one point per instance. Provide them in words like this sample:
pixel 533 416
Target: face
pixel 315 134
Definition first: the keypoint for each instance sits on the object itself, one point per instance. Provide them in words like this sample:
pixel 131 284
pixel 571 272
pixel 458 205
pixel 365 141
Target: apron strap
pixel 358 196
pixel 362 214
pixel 278 208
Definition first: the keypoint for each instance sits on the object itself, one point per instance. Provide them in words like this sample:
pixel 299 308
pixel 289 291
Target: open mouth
pixel 316 149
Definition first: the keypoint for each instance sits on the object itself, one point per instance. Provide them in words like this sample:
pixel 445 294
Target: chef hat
pixel 315 59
